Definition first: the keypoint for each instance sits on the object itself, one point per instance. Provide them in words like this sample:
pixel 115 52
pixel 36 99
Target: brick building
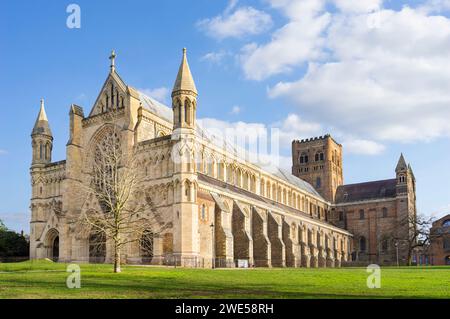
pixel 377 213
pixel 440 241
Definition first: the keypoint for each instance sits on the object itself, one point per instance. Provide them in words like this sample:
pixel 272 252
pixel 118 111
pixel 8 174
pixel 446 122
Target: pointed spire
pixel 184 81
pixel 41 126
pixel 401 165
pixel 113 61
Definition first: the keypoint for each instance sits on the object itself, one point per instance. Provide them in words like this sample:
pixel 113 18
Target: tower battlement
pixel 318 160
pixel 315 139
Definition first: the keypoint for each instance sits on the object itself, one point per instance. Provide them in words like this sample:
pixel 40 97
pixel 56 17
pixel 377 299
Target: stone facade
pixel 222 209
pixel 319 162
pixel 440 241
pixel 376 213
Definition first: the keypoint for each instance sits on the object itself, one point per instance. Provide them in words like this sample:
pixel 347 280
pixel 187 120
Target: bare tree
pixel 418 234
pixel 117 207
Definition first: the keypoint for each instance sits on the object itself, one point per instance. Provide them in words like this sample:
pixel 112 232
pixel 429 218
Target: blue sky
pixel 375 75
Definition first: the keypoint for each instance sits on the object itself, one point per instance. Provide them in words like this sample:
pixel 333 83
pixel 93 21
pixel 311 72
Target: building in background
pixel 377 213
pixel 440 241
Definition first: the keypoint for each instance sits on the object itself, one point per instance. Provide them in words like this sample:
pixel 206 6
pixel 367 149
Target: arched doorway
pixel 52 244
pixel 55 252
pixel 146 247
pixel 97 248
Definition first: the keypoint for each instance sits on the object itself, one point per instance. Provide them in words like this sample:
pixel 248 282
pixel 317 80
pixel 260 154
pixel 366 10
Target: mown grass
pixel 44 279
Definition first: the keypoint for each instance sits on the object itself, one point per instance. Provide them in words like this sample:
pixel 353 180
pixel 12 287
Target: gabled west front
pixel 223 210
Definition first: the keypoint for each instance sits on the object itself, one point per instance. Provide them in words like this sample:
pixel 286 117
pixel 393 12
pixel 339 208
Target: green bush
pixel 12 244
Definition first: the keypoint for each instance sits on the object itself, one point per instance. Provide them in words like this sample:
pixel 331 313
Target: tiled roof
pixel 156 107
pixel 366 191
pixel 165 112
pixel 222 185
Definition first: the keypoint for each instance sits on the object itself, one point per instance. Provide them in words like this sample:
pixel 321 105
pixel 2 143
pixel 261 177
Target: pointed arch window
pixel 362 244
pixel 187 108
pixel 361 214
pixel 40 150
pixel 203 212
pixel 304 158
pixel 187 191
pixel 112 95
pixel 384 245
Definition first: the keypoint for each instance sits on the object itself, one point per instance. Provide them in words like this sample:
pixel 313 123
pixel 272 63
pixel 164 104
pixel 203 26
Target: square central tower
pixel 318 161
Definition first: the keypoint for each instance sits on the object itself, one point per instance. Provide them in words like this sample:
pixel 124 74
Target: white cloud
pixel 294 128
pixel 160 94
pixel 215 57
pixel 235 110
pixel 362 147
pixel 295 43
pixel 284 132
pixel 360 6
pixel 270 145
pixel 374 73
pixel 243 21
pixel 435 6
pixel 3 152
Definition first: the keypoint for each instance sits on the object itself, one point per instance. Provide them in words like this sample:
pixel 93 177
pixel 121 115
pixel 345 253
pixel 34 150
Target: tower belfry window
pixel 303 158
pixel 186 111
pixel 40 150
pixel 112 95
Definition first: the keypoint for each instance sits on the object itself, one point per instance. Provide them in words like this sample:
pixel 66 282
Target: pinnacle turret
pixel 184 80
pixel 401 165
pixel 42 126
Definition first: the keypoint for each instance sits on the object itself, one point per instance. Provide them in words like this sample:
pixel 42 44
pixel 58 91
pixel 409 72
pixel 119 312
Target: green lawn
pixel 45 279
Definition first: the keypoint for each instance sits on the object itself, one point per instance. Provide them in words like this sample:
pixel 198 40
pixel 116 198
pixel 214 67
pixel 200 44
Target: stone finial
pixel 112 57
pixel 401 165
pixel 41 125
pixel 184 80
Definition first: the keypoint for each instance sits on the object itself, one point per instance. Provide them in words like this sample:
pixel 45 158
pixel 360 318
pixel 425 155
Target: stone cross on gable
pixel 113 61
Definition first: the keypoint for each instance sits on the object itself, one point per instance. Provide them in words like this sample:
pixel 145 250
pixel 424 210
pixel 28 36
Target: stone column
pixel 158 253
pixel 337 262
pixel 242 239
pixel 305 252
pixel 291 245
pixel 223 234
pixel 321 253
pixel 275 235
pixel 261 243
pixel 330 257
pixel 314 260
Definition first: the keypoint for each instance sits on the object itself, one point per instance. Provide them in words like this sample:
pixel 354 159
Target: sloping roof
pixel 165 112
pixel 288 177
pixel 217 183
pixel 41 126
pixel 366 191
pixel 156 107
pixel 184 80
pixel 401 165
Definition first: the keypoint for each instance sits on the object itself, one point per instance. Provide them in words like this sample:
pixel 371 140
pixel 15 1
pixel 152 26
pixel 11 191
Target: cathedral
pixel 223 210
